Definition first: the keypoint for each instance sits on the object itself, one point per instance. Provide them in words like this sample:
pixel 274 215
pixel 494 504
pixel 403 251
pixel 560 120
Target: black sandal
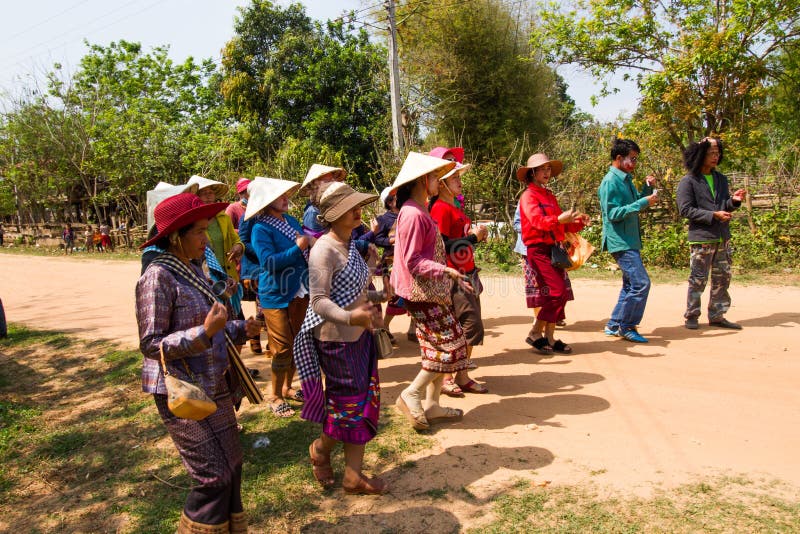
pixel 541 345
pixel 563 348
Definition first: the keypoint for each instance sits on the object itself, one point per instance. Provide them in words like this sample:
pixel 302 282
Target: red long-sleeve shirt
pixel 539 211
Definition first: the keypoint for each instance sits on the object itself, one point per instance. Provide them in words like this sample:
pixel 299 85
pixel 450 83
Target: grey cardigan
pixel 696 204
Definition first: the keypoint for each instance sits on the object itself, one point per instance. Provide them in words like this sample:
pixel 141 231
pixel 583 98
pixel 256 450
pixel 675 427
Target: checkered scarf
pixel 283 227
pixel 346 286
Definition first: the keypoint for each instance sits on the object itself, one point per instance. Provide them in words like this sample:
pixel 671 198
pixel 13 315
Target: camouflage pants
pixel 716 259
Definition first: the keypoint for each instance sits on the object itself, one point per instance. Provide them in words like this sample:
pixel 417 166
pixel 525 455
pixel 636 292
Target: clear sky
pixel 39 33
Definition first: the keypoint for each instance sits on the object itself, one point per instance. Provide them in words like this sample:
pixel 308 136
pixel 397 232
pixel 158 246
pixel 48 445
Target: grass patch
pixel 56 252
pixel 717 505
pixel 21 336
pixel 82 449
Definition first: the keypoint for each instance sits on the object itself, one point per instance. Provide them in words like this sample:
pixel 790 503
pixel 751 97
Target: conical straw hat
pixel 417 165
pixel 265 191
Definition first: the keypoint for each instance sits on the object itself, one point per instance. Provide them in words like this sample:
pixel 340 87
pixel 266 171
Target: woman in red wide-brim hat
pixel 175 315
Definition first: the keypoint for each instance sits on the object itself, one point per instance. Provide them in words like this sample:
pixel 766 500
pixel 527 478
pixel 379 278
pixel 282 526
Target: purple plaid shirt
pixel 170 310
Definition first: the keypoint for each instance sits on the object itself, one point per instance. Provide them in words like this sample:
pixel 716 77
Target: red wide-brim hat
pixel 181 210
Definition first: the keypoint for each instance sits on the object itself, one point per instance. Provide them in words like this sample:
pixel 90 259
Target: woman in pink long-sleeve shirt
pixel 420 276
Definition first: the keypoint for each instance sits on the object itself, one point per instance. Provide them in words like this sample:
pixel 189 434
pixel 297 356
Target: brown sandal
pixel 418 421
pixel 367 486
pixel 321 469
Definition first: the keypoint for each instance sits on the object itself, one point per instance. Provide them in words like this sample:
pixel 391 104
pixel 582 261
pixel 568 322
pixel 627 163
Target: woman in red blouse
pixel 459 239
pixel 543 226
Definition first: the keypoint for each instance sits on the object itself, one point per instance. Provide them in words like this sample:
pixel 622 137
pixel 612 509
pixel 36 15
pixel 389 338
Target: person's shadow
pixel 407 520
pixel 455 468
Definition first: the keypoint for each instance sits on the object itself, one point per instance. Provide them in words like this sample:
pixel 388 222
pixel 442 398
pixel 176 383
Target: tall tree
pixel 474 77
pixel 304 88
pixel 701 66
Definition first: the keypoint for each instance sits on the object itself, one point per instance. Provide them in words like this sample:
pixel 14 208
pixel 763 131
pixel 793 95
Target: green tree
pixel 298 85
pixel 474 78
pixel 702 67
pixel 125 120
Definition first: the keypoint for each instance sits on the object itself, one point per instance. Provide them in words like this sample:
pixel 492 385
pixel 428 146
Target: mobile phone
pixel 655 191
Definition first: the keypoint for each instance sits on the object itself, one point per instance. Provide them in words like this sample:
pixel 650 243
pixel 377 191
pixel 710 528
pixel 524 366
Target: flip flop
pixel 297 396
pixel 451 389
pixel 418 422
pixel 541 345
pixel 473 387
pixel 563 348
pixel 281 410
pixel 451 414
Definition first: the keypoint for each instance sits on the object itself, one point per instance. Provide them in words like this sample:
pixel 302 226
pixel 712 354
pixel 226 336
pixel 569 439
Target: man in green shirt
pixel 620 204
pixel 704 198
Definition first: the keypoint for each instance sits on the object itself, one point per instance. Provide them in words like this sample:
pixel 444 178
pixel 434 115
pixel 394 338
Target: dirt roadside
pixel 629 417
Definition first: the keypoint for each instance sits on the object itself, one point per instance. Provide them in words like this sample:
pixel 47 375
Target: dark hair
pixel 389 197
pixel 432 201
pixel 695 155
pixel 623 147
pixel 164 243
pixel 529 175
pixel 404 193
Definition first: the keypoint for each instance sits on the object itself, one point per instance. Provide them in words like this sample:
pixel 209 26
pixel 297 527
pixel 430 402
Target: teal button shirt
pixel 620 204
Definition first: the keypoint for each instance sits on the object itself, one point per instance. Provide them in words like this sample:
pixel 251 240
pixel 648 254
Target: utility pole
pixel 394 82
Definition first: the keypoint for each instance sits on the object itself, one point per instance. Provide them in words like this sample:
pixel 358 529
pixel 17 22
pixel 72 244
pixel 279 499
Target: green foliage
pixel 702 67
pixel 473 79
pixel 292 81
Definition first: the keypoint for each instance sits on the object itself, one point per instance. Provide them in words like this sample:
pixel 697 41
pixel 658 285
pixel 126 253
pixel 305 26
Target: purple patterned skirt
pixel 352 389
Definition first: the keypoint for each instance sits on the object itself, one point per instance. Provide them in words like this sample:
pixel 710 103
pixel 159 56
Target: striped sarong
pixel 346 286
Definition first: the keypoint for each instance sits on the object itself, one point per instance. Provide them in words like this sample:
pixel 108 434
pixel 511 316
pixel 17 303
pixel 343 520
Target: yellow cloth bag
pixel 185 399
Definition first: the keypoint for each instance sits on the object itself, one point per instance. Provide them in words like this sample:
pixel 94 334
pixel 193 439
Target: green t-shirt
pixel 710 180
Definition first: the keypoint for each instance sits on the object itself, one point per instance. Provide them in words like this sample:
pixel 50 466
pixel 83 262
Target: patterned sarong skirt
pixel 352 389
pixel 441 338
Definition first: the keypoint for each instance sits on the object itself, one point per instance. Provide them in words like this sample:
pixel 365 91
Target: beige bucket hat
pixel 417 165
pixel 317 171
pixel 337 198
pixel 220 190
pixel 537 160
pixel 265 191
pixel 458 170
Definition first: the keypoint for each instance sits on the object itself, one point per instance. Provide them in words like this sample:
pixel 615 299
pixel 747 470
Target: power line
pixel 29 28
pixel 79 27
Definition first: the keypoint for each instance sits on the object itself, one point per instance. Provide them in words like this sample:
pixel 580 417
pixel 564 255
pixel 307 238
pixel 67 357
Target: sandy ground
pixel 628 417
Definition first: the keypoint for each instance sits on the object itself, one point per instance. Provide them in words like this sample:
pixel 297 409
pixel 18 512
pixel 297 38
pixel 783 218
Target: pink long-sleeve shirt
pixel 415 241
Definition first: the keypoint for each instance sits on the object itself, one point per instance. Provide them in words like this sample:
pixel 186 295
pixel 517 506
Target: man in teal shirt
pixel 620 204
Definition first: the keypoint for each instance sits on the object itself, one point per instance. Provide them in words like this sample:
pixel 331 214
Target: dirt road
pixel 631 417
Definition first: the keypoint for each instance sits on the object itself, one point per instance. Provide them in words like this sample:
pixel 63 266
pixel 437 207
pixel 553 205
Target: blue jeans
pixel 629 310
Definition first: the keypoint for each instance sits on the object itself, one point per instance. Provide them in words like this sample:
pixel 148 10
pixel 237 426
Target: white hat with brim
pixel 338 198
pixel 385 194
pixel 417 165
pixel 317 171
pixel 163 191
pixel 220 190
pixel 265 191
pixel 458 170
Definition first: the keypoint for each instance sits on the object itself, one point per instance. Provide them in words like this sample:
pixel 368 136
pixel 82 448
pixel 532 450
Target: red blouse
pixel 539 211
